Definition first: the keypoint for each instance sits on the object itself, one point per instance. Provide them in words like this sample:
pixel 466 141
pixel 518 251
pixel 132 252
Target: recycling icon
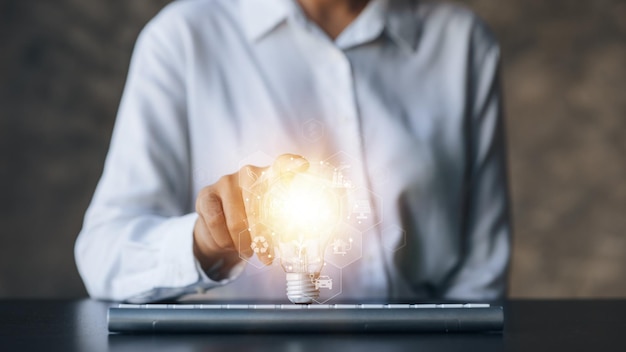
pixel 259 244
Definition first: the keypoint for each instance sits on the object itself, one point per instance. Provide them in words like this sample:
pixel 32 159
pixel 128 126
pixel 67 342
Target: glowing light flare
pixel 302 211
pixel 302 208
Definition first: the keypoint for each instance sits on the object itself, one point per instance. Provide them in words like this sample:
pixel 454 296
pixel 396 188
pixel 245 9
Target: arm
pixel 486 234
pixel 136 242
pixel 141 240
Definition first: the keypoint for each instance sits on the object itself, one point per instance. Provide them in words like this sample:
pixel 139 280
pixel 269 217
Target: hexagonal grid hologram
pixel 362 210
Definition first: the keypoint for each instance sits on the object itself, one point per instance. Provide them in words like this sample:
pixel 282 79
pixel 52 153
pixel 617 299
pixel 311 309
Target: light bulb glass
pixel 302 211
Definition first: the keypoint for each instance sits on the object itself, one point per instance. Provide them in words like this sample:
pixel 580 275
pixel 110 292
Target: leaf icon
pixel 251 174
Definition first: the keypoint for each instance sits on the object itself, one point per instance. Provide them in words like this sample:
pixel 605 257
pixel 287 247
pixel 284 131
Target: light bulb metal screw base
pixel 301 288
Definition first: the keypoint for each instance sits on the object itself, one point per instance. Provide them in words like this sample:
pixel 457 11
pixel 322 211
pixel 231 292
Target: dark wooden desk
pixel 32 325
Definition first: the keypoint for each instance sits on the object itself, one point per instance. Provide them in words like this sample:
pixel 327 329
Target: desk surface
pixel 529 326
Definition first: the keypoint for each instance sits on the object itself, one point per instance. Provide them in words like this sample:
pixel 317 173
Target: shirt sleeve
pixel 486 234
pixel 137 238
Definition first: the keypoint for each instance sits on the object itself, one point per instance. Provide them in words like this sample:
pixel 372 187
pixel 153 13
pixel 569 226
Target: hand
pixel 221 235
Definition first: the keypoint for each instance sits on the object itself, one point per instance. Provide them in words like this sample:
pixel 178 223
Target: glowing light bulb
pixel 302 211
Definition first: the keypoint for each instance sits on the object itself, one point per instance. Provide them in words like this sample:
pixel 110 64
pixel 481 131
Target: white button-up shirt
pixel 406 102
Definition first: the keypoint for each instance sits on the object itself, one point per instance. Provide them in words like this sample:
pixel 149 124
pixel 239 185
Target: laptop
pixel 268 318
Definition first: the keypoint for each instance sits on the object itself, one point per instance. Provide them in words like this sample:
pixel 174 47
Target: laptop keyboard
pixel 301 306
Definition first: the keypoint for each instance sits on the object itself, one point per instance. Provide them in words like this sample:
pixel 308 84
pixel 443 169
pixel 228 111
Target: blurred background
pixel 62 69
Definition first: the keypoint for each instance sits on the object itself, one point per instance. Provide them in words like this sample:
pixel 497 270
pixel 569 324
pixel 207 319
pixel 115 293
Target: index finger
pixel 254 179
pixel 289 163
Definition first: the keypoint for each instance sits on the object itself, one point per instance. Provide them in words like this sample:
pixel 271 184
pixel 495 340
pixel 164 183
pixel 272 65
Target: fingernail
pixel 301 164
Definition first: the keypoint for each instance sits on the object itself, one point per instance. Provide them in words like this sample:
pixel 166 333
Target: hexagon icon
pixel 393 237
pixel 249 176
pixel 313 130
pixel 345 247
pixel 261 244
pixel 329 282
pixel 345 166
pixel 363 209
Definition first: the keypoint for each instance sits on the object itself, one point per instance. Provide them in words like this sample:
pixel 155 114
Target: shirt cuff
pixel 181 273
pixel 185 270
pixel 176 252
pixel 207 283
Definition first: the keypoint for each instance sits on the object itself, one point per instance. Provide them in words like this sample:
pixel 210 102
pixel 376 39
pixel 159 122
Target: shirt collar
pixel 261 16
pixel 403 23
pixel 397 17
pixel 366 27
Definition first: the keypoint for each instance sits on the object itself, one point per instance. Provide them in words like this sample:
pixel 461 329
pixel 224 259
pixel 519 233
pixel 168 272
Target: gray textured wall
pixel 62 68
